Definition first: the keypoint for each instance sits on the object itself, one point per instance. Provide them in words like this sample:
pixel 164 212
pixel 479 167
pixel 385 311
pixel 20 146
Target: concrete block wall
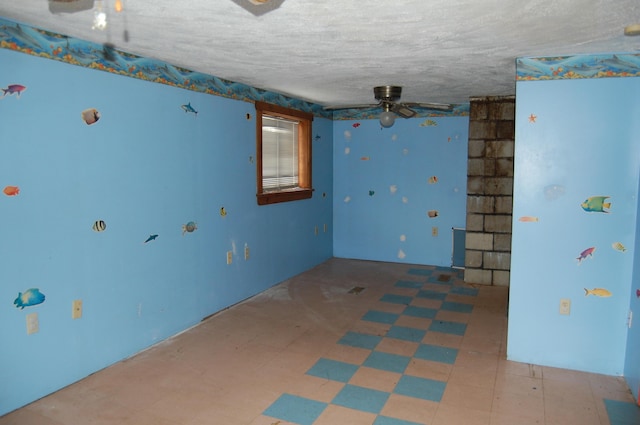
pixel 490 190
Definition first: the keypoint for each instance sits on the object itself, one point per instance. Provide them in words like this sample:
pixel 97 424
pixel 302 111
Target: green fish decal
pixel 596 204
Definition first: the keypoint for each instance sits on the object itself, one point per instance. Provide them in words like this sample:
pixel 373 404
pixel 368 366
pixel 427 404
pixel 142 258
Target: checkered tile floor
pixel 432 290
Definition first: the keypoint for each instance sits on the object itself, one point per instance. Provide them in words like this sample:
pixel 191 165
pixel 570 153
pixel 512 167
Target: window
pixel 283 154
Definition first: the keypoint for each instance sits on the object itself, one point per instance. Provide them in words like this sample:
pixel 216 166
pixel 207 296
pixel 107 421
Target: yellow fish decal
pixel 598 292
pixel 618 247
pixel 428 123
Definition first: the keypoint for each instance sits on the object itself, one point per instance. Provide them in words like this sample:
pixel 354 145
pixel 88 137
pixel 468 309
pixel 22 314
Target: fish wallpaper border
pixel 50 45
pixel 612 65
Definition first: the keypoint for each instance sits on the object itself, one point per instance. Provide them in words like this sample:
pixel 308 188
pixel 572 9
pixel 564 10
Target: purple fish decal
pixel 13 88
pixel 586 253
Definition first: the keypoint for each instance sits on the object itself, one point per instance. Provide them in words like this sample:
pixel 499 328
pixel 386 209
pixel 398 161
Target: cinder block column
pixel 490 190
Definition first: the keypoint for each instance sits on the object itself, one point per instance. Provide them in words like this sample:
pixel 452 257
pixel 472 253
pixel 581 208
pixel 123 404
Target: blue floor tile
pixel 380 317
pixel 360 398
pixel 408 284
pixel 622 413
pixel 432 295
pixel 333 370
pixel 457 307
pixel 420 272
pixel 298 410
pixel 423 312
pixel 406 334
pixel 387 361
pixel 396 299
pixel 426 389
pixel 436 353
pixel 448 327
pixel 463 290
pixel 384 420
pixel 355 339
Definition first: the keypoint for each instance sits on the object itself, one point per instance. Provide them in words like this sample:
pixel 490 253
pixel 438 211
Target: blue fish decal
pixel 151 238
pixel 30 297
pixel 188 108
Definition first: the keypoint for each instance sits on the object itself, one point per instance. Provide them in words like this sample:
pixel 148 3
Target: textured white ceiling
pixel 336 51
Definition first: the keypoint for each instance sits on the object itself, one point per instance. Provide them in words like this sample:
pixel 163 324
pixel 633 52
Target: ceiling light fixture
pixel 387 118
pixel 632 30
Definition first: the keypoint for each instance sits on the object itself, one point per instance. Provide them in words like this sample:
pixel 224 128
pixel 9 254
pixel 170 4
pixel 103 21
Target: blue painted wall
pixel 632 357
pixel 575 138
pixel 146 167
pixel 383 191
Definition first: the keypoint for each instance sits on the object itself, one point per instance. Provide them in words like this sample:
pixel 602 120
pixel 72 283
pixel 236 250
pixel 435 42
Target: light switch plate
pixel 32 323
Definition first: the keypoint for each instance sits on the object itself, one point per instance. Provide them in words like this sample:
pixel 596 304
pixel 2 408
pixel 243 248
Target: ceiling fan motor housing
pixel 387 93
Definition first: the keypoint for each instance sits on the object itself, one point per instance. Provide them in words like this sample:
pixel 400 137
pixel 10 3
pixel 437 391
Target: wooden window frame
pixel 304 120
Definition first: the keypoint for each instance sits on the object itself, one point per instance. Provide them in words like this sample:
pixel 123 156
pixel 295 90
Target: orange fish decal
pixel 528 219
pixel 356 124
pixel 365 158
pixel 11 190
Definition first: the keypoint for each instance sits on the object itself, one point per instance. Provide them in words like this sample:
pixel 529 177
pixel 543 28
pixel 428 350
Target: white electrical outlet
pixel 316 230
pixel 246 252
pixel 325 227
pixel 229 257
pixel 565 306
pixel 76 309
pixel 630 318
pixel 434 231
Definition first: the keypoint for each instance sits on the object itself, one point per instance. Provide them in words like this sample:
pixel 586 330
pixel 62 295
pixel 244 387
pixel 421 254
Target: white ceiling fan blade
pixel 403 110
pixel 439 106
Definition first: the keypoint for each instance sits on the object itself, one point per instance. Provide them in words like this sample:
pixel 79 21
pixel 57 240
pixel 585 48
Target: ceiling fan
pixel 388 97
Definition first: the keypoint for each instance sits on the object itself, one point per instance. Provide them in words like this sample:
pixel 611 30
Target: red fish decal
pixel 356 125
pixel 11 190
pixel 637 293
pixel 13 88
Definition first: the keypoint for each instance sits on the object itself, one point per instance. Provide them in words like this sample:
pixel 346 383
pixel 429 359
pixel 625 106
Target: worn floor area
pixel 348 342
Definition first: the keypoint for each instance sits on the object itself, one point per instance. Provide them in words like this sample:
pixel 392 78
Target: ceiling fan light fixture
pixel 387 118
